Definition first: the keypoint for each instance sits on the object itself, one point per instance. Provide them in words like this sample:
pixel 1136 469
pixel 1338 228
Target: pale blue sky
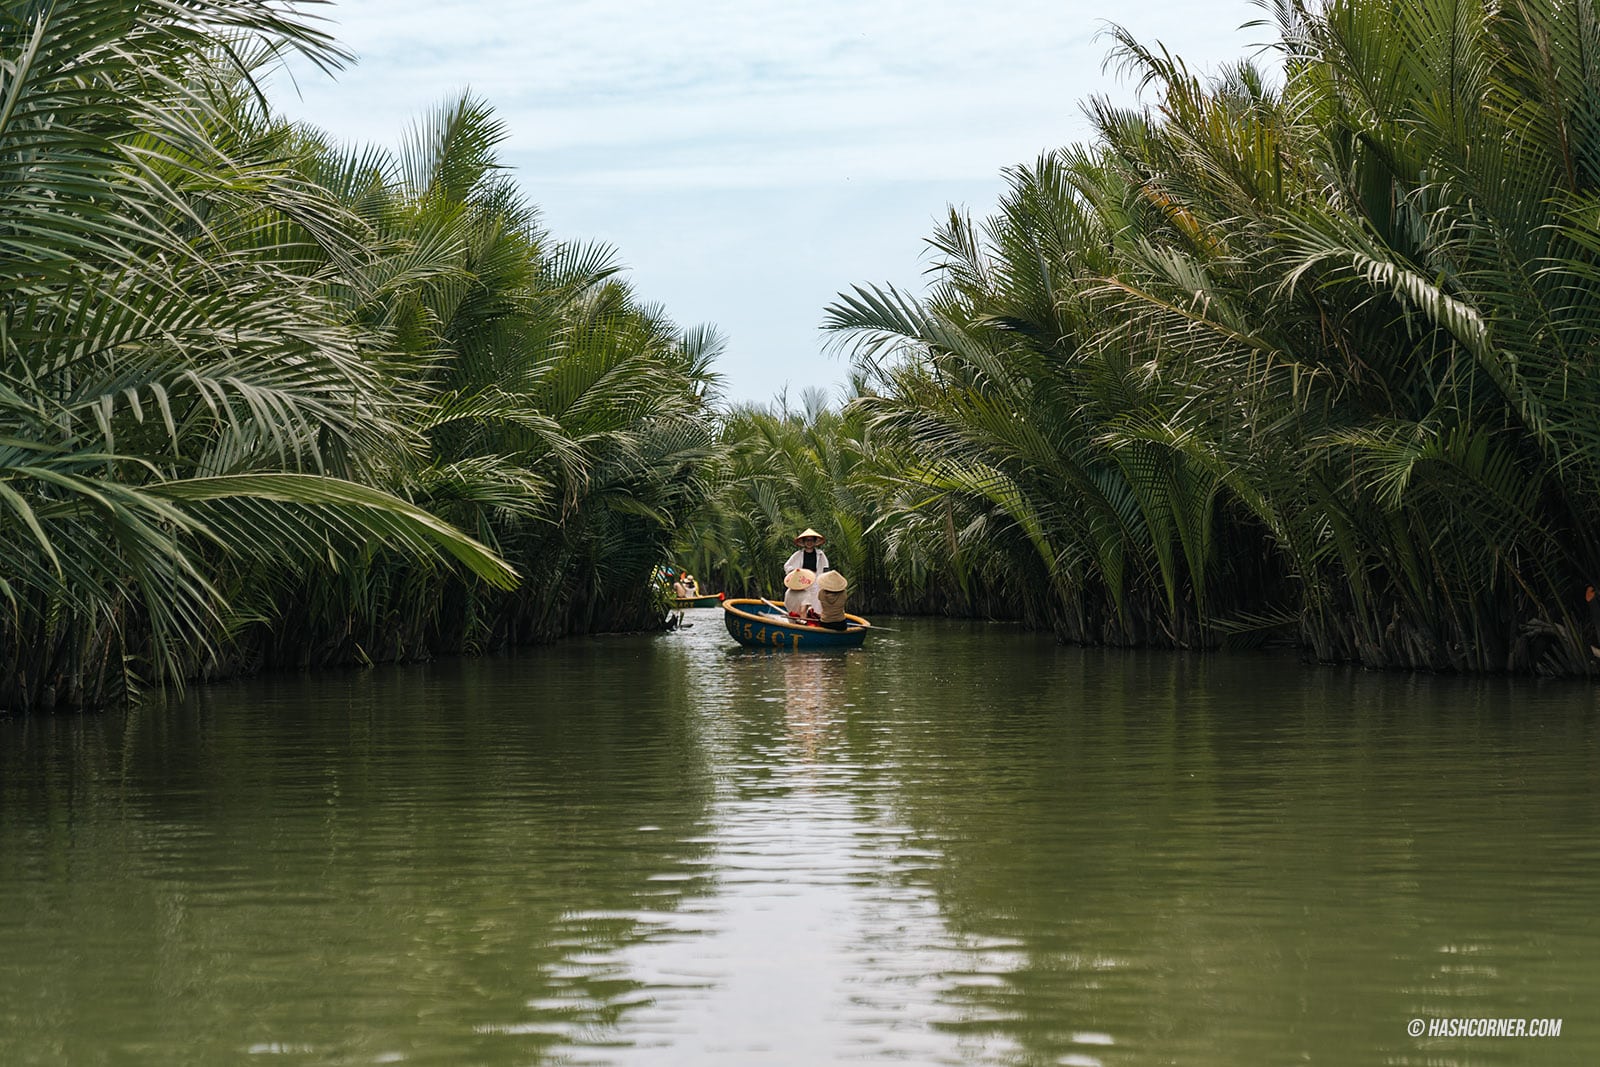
pixel 749 159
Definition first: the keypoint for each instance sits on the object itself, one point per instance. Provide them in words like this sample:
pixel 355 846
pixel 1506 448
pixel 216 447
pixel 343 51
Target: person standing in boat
pixel 810 555
pixel 831 595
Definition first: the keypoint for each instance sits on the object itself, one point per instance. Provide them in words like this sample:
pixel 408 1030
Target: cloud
pixel 700 136
pixel 610 44
pixel 617 71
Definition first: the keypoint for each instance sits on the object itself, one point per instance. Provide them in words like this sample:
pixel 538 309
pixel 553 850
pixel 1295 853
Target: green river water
pixel 960 845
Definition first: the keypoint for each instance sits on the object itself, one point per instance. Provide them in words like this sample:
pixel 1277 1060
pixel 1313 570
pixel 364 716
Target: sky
pixel 750 160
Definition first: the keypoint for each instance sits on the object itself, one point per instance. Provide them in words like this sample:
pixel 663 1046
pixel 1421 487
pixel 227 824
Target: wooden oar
pixel 785 611
pixel 874 627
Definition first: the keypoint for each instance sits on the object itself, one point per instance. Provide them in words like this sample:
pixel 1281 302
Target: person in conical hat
pixel 831 596
pixel 801 596
pixel 810 556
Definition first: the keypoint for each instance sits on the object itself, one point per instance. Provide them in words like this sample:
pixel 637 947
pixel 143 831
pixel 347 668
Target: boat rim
pixel 783 621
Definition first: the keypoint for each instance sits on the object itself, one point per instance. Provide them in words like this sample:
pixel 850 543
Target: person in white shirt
pixel 810 556
pixel 800 600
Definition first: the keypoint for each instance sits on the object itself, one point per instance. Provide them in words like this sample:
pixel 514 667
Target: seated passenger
pixel 800 601
pixel 831 596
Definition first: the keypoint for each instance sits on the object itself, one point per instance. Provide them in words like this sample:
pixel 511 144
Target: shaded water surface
pixel 961 845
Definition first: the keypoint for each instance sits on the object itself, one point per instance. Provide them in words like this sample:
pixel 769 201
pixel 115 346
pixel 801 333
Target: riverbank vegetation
pixel 269 400
pixel 1307 349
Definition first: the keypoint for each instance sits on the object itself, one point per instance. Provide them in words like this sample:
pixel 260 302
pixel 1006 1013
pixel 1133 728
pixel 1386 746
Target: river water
pixel 960 845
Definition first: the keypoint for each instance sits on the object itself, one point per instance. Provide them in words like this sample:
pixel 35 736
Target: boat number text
pixel 765 636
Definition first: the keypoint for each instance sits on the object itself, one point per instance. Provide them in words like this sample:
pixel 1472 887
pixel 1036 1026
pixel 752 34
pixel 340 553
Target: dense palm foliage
pixel 906 544
pixel 774 472
pixel 556 419
pixel 1315 352
pixel 253 389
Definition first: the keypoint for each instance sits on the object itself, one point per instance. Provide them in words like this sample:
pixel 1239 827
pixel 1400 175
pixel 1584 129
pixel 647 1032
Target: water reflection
pixel 959 845
pixel 380 866
pixel 799 840
pixel 1222 855
pixel 813 686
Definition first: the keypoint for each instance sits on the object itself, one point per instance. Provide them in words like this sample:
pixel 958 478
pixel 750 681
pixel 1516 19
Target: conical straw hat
pixel 809 532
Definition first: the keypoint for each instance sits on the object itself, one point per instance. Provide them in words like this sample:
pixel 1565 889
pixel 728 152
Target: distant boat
pixel 761 624
pixel 708 600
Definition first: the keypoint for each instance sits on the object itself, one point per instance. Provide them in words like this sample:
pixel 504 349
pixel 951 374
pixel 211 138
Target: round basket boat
pixel 762 624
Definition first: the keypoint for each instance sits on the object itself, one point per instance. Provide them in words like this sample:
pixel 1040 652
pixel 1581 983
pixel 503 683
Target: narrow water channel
pixel 960 845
